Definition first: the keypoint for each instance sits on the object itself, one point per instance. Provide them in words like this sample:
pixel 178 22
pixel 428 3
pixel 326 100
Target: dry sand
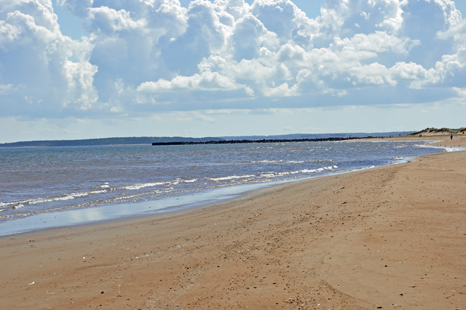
pixel 385 238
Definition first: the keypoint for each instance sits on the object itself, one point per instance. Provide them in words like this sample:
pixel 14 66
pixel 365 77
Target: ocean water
pixel 57 186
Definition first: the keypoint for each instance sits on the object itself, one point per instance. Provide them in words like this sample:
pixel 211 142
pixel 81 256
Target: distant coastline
pixel 187 140
pixel 100 142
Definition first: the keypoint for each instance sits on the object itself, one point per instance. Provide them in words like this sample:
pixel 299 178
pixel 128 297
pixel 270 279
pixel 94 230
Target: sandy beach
pixel 385 238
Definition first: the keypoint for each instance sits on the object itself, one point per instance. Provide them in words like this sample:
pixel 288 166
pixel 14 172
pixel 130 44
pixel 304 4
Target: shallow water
pixel 105 182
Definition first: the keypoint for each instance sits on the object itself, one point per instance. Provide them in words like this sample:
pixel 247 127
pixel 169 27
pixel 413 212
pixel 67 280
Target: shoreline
pixel 72 217
pixel 359 240
pixel 169 206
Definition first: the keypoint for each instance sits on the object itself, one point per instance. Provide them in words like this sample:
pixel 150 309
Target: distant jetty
pixel 260 141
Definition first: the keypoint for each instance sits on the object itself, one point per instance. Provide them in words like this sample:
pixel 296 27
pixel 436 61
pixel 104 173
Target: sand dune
pixel 385 238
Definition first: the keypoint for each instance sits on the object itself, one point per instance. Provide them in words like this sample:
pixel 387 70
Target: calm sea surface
pixel 56 186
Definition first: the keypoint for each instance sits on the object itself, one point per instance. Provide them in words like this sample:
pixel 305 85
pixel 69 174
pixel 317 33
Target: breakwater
pixel 259 141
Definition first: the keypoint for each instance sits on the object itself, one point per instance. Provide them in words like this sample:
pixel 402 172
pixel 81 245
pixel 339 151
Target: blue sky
pixel 75 69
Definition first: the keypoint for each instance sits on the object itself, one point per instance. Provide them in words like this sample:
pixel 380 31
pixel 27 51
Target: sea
pixel 46 187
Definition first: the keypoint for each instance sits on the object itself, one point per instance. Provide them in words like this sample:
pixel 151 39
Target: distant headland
pixel 439 131
pixel 204 140
pixel 102 141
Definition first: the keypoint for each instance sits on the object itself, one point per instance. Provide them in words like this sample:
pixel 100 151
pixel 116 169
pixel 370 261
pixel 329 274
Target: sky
pixel 78 69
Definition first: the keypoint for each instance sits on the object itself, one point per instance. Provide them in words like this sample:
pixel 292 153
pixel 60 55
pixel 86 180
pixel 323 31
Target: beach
pixel 385 238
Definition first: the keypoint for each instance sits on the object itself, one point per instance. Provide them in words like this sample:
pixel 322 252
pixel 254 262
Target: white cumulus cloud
pixel 144 55
pixel 46 72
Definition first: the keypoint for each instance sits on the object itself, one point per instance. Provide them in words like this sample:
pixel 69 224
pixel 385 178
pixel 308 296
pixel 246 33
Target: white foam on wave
pixel 318 170
pixel 232 177
pixel 125 198
pixel 279 174
pixel 143 185
pixel 267 175
pixel 446 148
pixel 97 192
pixel 19 204
pixel 190 181
pixel 153 184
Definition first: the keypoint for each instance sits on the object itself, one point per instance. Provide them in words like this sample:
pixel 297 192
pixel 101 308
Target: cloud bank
pixel 155 55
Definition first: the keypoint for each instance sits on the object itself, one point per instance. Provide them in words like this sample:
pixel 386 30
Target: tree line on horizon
pixel 150 140
pixel 103 141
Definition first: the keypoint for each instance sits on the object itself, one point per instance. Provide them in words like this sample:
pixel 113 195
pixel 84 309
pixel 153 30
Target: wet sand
pixel 386 238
